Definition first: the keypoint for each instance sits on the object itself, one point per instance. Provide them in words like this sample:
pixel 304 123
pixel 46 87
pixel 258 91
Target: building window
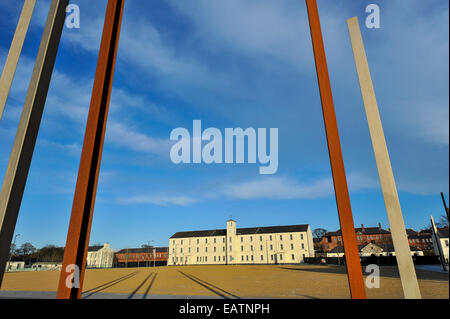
pixel 292 246
pixel 262 257
pixel 270 237
pixel 242 248
pixel 214 249
pixel 231 248
pixel 293 257
pixel 303 246
pixel 182 242
pixel 198 241
pixel 214 240
pixel 290 236
pixel 181 250
pixel 242 239
pixel 251 238
pixel 230 239
pixel 281 237
pixel 271 257
pixel 206 240
pixel 261 247
pixel 247 257
pixel 260 238
pixel 214 258
pixel 281 257
pixel 251 247
pixel 223 240
pixel 197 249
pixel 206 249
pixel 271 247
pixel 206 259
pixel 252 257
pixel 301 236
pixel 223 248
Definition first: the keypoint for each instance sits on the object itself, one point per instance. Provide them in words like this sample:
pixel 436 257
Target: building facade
pixel 100 256
pixel 442 241
pixel 141 257
pixel 421 240
pixel 257 245
pixel 364 236
pixel 372 250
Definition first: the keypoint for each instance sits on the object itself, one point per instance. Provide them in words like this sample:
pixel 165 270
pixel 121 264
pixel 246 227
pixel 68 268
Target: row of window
pixel 424 240
pixel 242 248
pixel 291 237
pixel 243 258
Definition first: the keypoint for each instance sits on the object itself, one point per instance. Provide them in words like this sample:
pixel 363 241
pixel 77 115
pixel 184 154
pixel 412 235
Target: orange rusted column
pixel 353 263
pixel 75 253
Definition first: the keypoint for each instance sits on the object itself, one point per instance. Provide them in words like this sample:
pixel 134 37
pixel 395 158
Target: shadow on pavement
pixel 139 287
pixel 107 285
pixel 208 286
pixel 385 271
pixel 149 286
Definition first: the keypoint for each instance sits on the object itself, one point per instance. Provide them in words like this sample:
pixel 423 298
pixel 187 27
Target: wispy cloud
pixel 126 137
pixel 160 200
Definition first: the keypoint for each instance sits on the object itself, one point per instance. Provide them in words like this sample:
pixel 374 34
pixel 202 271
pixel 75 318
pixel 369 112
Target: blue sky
pixel 232 64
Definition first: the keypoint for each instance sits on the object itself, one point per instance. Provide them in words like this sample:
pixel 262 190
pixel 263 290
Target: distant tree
pixel 13 249
pixel 319 232
pixel 146 246
pixel 442 222
pixel 27 249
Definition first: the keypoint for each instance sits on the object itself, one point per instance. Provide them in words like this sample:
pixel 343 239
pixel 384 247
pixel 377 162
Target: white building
pixel 442 234
pixel 15 265
pixel 100 256
pixel 373 250
pixel 47 266
pixel 257 245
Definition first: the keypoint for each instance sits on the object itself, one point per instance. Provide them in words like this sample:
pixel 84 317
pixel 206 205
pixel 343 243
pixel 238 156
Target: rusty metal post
pixel 22 152
pixel 353 263
pixel 75 253
pixel 14 52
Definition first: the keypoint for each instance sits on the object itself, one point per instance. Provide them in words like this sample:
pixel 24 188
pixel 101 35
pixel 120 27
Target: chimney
pixel 379 226
pixel 362 227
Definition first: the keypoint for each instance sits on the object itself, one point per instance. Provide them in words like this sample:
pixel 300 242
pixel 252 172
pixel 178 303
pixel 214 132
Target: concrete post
pixel 392 203
pixel 22 152
pixel 14 52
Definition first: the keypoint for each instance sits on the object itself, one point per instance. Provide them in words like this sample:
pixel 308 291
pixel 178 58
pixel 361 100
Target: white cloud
pixel 161 200
pixel 279 188
pixel 125 136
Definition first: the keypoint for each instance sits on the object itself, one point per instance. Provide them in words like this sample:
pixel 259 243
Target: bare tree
pixel 442 222
pixel 319 232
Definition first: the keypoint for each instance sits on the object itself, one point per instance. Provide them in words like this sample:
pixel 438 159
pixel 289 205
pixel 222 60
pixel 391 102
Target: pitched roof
pixel 365 231
pixel 442 232
pixel 94 248
pixel 243 231
pixel 143 250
